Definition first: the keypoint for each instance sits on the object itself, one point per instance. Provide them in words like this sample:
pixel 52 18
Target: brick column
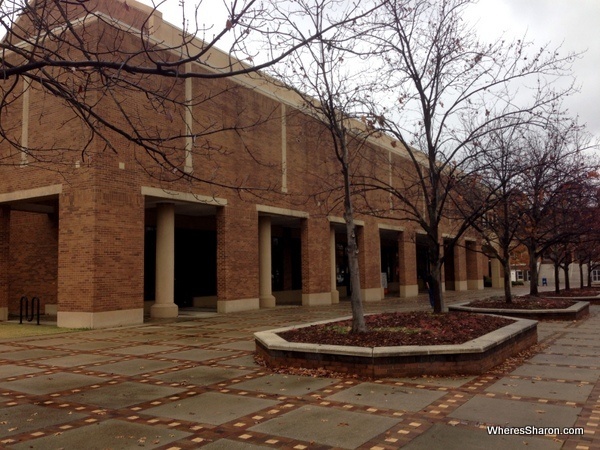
pixel 474 269
pixel 369 256
pixel 497 274
pixel 316 265
pixel 100 257
pixel 237 258
pixel 267 300
pixel 165 306
pixel 4 260
pixel 460 266
pixel 407 264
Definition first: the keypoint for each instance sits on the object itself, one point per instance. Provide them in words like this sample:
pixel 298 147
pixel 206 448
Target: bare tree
pixel 323 74
pixel 499 161
pixel 444 91
pixel 552 183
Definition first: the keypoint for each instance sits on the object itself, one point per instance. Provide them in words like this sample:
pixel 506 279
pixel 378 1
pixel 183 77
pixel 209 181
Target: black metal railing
pixel 35 309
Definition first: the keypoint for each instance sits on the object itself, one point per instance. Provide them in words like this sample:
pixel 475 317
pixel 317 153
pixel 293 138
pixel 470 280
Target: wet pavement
pixel 193 383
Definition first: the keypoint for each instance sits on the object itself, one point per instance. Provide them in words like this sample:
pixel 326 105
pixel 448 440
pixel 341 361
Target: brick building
pixel 102 234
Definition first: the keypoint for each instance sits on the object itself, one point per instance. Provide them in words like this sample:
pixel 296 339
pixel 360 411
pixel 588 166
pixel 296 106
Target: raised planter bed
pixel 473 357
pixel 577 311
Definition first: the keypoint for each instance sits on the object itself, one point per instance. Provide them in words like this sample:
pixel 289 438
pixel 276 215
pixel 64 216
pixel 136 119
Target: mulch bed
pixel 585 292
pixel 407 328
pixel 524 302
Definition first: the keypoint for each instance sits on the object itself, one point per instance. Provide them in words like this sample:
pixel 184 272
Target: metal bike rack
pixel 35 302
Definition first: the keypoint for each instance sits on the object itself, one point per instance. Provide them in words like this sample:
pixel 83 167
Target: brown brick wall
pixel 4 256
pixel 99 253
pixel 33 258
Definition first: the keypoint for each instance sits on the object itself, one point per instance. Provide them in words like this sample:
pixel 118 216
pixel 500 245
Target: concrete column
pixel 335 295
pixel 407 265
pixel 266 298
pixel 165 306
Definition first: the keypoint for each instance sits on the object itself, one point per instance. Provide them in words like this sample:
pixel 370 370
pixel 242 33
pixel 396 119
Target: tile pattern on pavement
pixel 192 383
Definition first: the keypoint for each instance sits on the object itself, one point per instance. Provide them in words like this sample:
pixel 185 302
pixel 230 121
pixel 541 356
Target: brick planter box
pixel 472 357
pixel 575 312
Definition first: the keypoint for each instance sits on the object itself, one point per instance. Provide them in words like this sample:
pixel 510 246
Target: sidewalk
pixel 192 383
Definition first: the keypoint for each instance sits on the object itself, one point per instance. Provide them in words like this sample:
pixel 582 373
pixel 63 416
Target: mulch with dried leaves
pixel 405 328
pixel 526 302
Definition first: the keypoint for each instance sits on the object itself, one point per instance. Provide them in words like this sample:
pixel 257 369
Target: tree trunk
pixel 358 315
pixel 533 284
pixel 507 281
pixel 435 262
pixel 556 278
pixel 567 281
pixel 581 274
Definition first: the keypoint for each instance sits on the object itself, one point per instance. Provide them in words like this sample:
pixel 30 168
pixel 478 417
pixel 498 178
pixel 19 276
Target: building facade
pixel 103 232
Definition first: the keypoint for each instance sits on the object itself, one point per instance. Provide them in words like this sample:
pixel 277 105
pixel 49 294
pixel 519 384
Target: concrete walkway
pixel 193 383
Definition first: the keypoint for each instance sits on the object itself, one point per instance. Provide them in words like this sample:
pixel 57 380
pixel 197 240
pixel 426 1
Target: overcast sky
pixel 574 24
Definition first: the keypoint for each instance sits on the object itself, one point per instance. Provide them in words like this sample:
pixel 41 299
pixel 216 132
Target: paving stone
pixel 588 343
pixel 8 348
pixel 192 341
pixel 143 349
pixel 92 345
pixel 400 398
pixel 240 345
pixel 111 434
pixel 211 408
pixel 201 375
pixel 573 350
pixel 456 438
pixel 285 384
pixel 494 411
pixel 558 373
pixel 245 361
pixel 77 360
pixel 122 395
pixel 26 418
pixel 327 426
pixel 542 389
pixel 12 370
pixel 50 342
pixel 453 382
pixel 199 354
pixel 35 354
pixel 135 366
pixel 46 384
pixel 566 360
pixel 228 444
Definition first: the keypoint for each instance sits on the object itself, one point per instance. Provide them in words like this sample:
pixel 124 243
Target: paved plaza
pixel 193 383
